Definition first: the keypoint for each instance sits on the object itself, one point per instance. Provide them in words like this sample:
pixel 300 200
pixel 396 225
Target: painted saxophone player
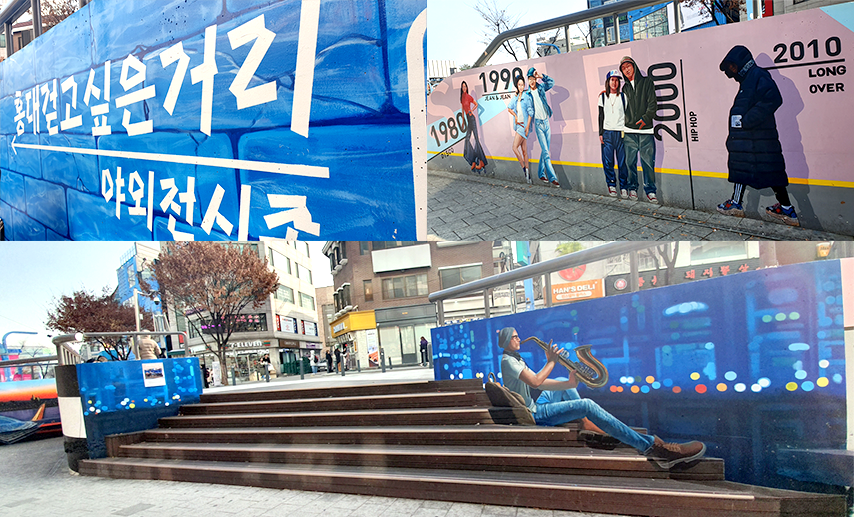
pixel 588 370
pixel 560 402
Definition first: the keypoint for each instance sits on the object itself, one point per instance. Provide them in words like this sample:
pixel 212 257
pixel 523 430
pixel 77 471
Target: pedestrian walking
pixel 424 359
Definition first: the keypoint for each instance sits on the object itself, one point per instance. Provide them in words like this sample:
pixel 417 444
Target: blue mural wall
pixel 752 364
pixel 119 397
pixel 213 119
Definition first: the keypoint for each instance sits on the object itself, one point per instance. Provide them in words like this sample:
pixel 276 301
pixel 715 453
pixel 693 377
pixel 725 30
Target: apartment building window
pixel 345 295
pixel 384 245
pixel 718 251
pixel 454 276
pixel 241 323
pixel 285 294
pixel 368 289
pixel 280 261
pixel 651 26
pixel 303 273
pixel 364 248
pixel 405 286
pixel 306 301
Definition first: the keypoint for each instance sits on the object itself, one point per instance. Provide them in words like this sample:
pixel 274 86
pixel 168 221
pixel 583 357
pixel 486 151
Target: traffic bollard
pixel 359 363
pixel 302 365
pixel 382 360
pixel 390 366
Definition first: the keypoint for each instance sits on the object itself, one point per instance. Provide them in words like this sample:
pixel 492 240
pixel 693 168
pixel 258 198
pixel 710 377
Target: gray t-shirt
pixel 511 369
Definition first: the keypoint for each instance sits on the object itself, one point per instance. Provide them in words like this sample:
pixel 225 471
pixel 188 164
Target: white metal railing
pixel 69 356
pixel 603 11
pixel 547 267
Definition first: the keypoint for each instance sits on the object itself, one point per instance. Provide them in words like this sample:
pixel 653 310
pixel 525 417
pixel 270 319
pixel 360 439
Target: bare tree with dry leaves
pixel 54 11
pixel 499 20
pixel 211 284
pixel 732 10
pixel 85 311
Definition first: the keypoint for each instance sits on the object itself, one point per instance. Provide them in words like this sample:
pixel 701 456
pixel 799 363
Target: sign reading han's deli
pixel 215 119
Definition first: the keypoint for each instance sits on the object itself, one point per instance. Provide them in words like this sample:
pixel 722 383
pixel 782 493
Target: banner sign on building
pixel 571 291
pixel 309 328
pixel 696 129
pixel 286 324
pixel 616 284
pixel 215 119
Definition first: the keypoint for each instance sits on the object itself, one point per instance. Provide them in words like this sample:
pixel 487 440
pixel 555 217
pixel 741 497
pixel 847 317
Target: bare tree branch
pixel 498 20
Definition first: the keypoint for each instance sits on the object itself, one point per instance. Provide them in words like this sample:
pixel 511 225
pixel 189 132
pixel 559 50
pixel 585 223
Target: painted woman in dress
pixel 521 123
pixel 473 155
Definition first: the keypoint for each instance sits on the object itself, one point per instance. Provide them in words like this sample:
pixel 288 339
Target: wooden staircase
pixel 437 440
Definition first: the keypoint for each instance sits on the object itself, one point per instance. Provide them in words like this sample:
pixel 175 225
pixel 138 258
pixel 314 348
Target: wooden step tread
pixel 398 388
pixel 458 398
pixel 557 460
pixel 585 493
pixel 357 417
pixel 468 432
pixel 353 412
pixel 444 394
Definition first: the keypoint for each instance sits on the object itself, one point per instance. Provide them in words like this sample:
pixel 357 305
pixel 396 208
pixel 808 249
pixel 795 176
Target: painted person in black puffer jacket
pixel 755 154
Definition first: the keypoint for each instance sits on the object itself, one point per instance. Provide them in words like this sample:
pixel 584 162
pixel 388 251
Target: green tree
pixel 565 248
pixel 211 284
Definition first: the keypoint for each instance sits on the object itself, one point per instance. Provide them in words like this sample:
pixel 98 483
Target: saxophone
pixel 588 370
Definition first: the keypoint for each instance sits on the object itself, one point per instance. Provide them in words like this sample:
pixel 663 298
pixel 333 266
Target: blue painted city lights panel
pixel 129 396
pixel 211 120
pixel 751 364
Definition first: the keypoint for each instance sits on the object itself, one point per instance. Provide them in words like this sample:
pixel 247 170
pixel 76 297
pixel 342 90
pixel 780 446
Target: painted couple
pixel 626 130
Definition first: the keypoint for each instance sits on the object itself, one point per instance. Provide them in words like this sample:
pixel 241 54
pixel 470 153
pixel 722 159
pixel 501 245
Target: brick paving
pixel 466 207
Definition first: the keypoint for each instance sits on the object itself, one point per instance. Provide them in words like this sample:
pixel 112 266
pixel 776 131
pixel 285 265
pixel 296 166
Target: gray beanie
pixel 505 336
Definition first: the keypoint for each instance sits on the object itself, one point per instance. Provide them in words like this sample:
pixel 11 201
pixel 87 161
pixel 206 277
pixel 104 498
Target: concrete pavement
pixel 468 207
pixel 37 482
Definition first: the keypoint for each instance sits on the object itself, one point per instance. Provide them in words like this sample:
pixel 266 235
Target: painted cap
pixel 532 71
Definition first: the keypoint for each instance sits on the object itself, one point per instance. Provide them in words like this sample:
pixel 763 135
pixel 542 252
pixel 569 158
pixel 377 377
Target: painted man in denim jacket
pixel 540 112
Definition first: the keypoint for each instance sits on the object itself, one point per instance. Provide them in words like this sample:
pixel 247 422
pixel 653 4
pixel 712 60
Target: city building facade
pixel 285 326
pixel 381 289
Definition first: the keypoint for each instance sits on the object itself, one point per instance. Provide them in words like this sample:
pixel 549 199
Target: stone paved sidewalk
pixel 514 211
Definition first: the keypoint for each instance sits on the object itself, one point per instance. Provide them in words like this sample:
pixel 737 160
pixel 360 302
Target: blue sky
pixel 32 274
pixel 454 29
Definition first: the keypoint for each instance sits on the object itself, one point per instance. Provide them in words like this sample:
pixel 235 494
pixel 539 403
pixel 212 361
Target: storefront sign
pixel 309 328
pixel 287 343
pixel 615 284
pixel 339 327
pixel 249 344
pixel 373 344
pixel 585 289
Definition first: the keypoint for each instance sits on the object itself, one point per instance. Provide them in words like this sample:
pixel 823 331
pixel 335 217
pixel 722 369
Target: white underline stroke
pixel 309 171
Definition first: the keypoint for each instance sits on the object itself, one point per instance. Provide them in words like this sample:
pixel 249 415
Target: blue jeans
pixel 560 407
pixel 643 145
pixel 613 144
pixel 544 137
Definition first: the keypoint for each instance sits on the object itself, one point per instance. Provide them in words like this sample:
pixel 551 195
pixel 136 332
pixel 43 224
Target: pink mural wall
pixel 806 54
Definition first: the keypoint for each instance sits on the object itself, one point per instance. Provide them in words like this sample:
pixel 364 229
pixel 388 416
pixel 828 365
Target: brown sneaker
pixel 666 455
